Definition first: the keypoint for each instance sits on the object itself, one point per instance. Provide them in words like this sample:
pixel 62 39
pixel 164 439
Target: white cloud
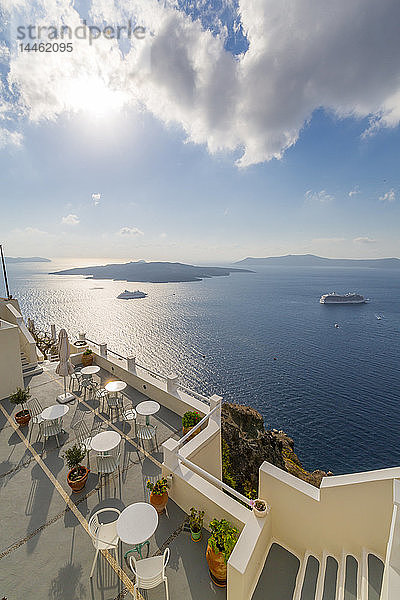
pixel 9 138
pixel 364 240
pixel 70 220
pixel 130 231
pixel 163 235
pixel 96 199
pixel 321 197
pixel 327 240
pixel 389 196
pixel 301 56
pixel 354 191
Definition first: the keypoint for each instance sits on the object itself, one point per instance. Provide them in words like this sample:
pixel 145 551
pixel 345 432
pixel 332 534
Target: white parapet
pixel 172 383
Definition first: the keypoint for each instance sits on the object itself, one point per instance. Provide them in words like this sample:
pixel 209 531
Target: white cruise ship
pixel 127 295
pixel 334 298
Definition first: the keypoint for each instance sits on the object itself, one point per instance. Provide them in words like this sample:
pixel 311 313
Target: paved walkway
pixel 45 550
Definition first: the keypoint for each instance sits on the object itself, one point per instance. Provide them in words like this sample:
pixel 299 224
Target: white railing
pixel 155 374
pixel 217 482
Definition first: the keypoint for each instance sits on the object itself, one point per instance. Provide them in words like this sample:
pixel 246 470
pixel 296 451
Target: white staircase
pixel 349 577
pixel 29 369
pixel 326 577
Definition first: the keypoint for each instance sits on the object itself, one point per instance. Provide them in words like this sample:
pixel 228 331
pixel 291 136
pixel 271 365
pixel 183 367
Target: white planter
pixel 261 513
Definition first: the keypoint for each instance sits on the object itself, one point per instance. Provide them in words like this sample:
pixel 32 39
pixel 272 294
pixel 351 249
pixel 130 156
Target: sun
pixel 93 97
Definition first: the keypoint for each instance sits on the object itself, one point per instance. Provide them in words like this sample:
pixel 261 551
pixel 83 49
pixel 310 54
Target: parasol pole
pixel 5 272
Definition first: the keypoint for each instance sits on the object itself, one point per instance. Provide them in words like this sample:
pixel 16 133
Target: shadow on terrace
pixel 46 551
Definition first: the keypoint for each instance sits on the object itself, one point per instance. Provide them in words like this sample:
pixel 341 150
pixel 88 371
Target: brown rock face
pixel 246 445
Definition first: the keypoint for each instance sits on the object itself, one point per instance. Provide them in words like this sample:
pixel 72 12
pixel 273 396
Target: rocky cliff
pixel 246 444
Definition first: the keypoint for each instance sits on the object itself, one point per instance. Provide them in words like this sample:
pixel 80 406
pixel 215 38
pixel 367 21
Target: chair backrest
pixel 94 521
pixel 52 426
pixel 76 375
pixel 153 577
pixel 34 407
pixel 81 431
pixel 107 463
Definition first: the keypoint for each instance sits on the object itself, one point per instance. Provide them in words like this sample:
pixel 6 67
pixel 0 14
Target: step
pixel 310 579
pixel 375 577
pixel 278 577
pixel 351 578
pixel 31 370
pixel 330 578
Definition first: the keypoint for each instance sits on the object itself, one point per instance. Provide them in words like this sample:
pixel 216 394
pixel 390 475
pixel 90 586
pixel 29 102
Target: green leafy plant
pixel 20 397
pixel 74 456
pixel 196 518
pixel 190 418
pixel 260 505
pixel 223 537
pixel 88 352
pixel 159 487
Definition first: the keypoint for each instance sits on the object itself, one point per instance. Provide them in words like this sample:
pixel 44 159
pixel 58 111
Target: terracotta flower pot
pixel 159 502
pixel 87 359
pixel 78 484
pixel 217 566
pixel 23 417
pixel 187 429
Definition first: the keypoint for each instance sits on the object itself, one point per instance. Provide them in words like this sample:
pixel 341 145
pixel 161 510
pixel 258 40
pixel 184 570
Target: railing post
pixel 131 363
pixel 170 454
pixel 216 400
pixel 53 332
pixel 172 383
pixel 103 350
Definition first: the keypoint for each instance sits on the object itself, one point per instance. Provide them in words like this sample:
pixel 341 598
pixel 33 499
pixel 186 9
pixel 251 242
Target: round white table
pixel 90 370
pixel 115 386
pixel 54 412
pixel 136 524
pixel 147 408
pixel 105 441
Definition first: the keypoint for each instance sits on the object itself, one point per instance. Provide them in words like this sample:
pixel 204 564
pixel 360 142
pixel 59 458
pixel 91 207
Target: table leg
pixel 138 549
pixel 147 420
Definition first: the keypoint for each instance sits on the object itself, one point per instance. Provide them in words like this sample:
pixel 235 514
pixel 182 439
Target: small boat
pixel 337 325
pixel 378 317
pixel 127 295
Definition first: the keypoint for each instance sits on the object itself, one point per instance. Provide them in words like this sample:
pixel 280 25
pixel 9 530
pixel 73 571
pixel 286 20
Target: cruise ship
pixel 127 295
pixel 334 298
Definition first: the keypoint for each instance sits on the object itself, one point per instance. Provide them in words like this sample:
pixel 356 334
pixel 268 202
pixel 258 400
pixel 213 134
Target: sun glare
pixel 94 98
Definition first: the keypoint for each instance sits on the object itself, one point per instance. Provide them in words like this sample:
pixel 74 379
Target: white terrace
pixel 339 542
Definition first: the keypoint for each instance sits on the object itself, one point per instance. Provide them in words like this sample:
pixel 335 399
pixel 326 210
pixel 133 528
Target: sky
pixel 218 130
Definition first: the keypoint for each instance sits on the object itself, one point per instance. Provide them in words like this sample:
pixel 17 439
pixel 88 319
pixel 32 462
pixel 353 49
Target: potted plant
pixel 220 545
pixel 159 494
pixel 196 523
pixel 87 357
pixel 21 396
pixel 189 420
pixel 78 474
pixel 260 508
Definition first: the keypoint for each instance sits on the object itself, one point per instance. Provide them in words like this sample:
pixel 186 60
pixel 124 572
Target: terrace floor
pixel 45 550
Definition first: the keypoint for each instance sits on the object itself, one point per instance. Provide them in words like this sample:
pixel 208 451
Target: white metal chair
pixel 114 402
pixel 150 572
pixel 75 377
pixel 101 395
pixel 83 435
pixel 129 414
pixel 49 427
pixel 104 535
pixel 108 462
pixel 35 408
pixel 147 433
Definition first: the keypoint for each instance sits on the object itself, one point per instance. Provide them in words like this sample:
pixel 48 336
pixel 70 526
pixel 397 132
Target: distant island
pixel 151 272
pixel 310 260
pixel 30 259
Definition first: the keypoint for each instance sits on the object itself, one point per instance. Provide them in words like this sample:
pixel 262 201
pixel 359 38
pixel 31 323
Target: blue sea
pixel 260 339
